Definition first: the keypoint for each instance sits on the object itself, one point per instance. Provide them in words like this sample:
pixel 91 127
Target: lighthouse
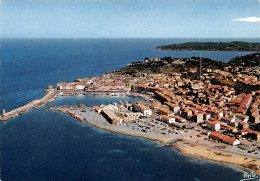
pixel 3 112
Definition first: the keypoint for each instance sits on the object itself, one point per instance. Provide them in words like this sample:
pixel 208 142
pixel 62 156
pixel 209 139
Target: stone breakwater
pixel 51 95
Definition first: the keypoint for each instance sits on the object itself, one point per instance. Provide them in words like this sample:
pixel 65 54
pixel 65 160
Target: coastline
pixel 163 140
pixel 190 149
pixel 210 154
pixel 60 136
pixel 184 146
pixel 206 50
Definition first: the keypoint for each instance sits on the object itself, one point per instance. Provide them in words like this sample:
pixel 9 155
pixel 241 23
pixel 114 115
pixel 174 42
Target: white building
pixel 224 138
pixel 167 119
pixel 199 117
pixel 139 114
pixel 180 119
pixel 213 125
pixel 165 111
pixel 80 87
pixel 241 117
pixel 139 107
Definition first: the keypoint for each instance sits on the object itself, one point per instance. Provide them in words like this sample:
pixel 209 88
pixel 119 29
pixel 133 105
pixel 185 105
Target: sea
pixel 40 145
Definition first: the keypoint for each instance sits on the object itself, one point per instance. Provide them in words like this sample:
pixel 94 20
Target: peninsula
pixel 196 105
pixel 213 46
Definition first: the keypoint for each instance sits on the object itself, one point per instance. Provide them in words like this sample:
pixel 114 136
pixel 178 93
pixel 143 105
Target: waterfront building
pixel 140 107
pixel 98 109
pixel 156 105
pixel 62 85
pixel 155 59
pixel 251 134
pixel 206 116
pixel 213 125
pixel 110 117
pixel 139 114
pixel 165 111
pixel 224 138
pixel 167 119
pixel 179 119
pixel 130 118
pixel 198 117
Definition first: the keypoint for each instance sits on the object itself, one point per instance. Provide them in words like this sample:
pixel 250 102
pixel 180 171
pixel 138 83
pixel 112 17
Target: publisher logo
pixel 250 176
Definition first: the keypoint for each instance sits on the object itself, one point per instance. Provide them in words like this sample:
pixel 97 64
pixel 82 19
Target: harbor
pixel 50 96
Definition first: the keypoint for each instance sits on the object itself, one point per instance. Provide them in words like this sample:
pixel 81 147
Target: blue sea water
pixel 40 145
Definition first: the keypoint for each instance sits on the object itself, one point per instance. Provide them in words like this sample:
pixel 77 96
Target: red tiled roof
pixel 97 107
pixel 242 123
pixel 228 139
pixel 226 118
pixel 210 110
pixel 223 137
pixel 165 110
pixel 164 116
pixel 212 122
pixel 222 124
pixel 240 110
pixel 178 117
pixel 247 98
pixel 246 130
pixel 216 134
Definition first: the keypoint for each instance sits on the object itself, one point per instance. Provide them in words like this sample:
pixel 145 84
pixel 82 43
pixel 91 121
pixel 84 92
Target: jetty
pixel 50 96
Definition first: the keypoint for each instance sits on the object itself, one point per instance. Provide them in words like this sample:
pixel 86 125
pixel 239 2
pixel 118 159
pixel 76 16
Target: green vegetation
pixel 206 63
pixel 168 64
pixel 213 46
pixel 140 67
pixel 239 87
pixel 246 60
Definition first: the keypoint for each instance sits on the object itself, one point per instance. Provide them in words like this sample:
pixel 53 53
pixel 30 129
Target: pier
pixel 36 104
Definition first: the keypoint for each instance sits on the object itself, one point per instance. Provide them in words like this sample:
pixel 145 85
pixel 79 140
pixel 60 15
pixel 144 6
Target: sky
pixel 129 18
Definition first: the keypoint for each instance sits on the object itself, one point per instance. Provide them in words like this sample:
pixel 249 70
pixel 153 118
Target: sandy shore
pixel 207 153
pixel 185 147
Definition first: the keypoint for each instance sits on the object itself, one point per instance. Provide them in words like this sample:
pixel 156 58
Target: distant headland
pixel 213 46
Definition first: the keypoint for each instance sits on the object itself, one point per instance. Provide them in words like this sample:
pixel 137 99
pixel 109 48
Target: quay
pixel 51 95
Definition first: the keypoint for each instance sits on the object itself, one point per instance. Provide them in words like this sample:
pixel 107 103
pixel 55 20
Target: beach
pixel 207 153
pixel 178 141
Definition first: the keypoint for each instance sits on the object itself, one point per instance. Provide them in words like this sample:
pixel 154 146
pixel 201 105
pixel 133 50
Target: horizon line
pixel 129 38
